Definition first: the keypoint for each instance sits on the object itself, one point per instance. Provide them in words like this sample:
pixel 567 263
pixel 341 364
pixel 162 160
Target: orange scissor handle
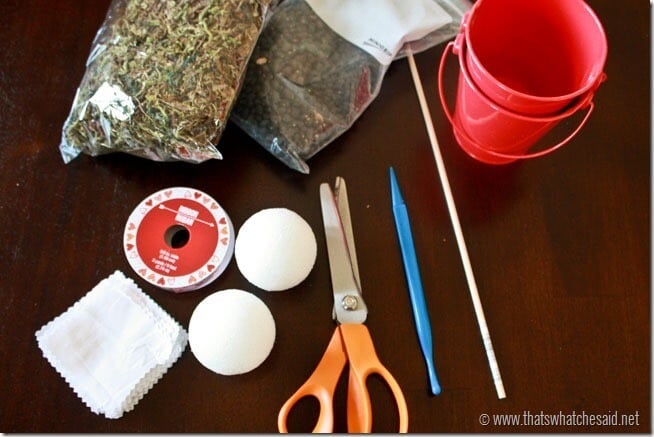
pixel 321 385
pixel 364 362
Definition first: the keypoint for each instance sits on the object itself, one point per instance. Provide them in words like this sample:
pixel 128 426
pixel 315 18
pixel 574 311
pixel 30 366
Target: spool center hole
pixel 176 236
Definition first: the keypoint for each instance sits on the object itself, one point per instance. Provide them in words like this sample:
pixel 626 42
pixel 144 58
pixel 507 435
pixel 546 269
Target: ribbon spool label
pixel 179 239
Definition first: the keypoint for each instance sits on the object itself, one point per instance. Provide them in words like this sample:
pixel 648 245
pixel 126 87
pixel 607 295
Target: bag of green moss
pixel 318 64
pixel 162 78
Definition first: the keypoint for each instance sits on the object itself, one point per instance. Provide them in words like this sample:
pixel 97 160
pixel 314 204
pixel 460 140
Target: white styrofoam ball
pixel 231 332
pixel 275 249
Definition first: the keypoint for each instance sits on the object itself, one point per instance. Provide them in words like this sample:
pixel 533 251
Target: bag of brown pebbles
pixel 318 64
pixel 162 78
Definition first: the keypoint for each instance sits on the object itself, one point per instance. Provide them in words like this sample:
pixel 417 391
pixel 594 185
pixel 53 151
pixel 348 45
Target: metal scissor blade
pixel 340 193
pixel 348 303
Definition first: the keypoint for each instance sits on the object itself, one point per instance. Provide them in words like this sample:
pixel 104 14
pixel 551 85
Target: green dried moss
pixel 180 63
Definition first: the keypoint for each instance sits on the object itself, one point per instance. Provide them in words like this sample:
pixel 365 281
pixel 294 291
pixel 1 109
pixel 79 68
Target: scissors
pixel 351 341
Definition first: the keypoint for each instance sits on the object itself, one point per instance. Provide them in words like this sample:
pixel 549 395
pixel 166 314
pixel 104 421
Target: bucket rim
pixel 466 141
pixel 578 102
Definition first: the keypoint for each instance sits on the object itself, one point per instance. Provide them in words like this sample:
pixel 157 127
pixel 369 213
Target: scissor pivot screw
pixel 350 303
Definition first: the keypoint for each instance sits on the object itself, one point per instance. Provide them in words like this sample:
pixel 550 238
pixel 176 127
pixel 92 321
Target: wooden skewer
pixel 454 217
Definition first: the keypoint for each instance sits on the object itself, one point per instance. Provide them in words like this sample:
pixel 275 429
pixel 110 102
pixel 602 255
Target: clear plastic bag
pixel 305 84
pixel 162 77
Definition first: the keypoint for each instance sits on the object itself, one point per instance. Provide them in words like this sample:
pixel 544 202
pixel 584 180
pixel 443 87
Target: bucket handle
pixel 565 141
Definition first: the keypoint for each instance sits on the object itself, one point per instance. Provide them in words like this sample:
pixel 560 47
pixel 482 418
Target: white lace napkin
pixel 112 345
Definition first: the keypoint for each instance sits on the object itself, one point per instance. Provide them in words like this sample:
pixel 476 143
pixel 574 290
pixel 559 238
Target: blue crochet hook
pixel 416 293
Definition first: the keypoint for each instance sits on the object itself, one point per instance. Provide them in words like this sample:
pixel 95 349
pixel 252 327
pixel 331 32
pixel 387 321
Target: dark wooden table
pixel 560 247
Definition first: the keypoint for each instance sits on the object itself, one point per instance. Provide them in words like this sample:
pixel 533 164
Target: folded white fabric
pixel 112 345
